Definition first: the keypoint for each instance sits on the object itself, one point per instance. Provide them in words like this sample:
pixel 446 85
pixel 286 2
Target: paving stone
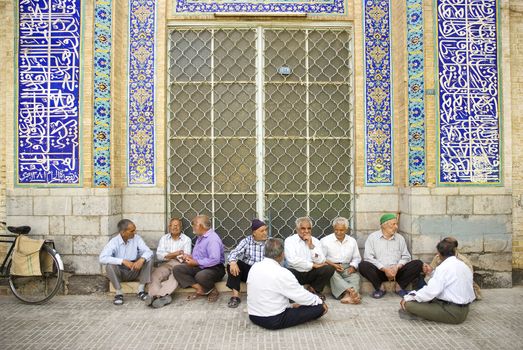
pixel 93 322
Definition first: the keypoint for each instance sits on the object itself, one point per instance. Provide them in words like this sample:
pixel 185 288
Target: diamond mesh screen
pixel 236 153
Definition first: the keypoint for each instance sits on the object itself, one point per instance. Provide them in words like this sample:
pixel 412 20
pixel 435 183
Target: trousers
pixel 317 278
pixel 189 275
pixel 121 273
pixel 408 273
pixel 234 282
pixel 290 317
pixel 439 311
pixel 162 279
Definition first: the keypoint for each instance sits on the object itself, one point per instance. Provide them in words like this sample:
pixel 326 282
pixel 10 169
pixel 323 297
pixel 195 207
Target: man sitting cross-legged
pixel 341 252
pixel 269 288
pixel 204 267
pixel 172 246
pixel 388 259
pixel 249 251
pixel 447 296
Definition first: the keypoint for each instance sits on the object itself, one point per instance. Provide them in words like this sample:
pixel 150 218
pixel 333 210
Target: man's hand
pixel 402 304
pixel 427 269
pixel 390 272
pixel 351 270
pixel 190 261
pixel 173 255
pixel 308 240
pixel 127 264
pixel 233 267
pixel 325 308
pixel 338 267
pixel 137 265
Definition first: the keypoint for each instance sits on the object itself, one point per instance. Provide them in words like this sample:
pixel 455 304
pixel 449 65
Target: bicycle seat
pixel 21 230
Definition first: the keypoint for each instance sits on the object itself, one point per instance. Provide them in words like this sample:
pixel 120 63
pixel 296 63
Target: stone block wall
pixel 479 218
pixel 80 221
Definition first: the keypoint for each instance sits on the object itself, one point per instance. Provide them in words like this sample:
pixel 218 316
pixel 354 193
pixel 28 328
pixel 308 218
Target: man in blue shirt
pixel 127 258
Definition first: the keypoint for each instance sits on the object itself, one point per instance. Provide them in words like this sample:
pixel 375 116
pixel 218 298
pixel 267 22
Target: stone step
pixel 131 287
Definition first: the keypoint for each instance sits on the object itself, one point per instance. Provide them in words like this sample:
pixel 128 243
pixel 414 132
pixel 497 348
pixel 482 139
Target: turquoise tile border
pixel 102 93
pixel 416 93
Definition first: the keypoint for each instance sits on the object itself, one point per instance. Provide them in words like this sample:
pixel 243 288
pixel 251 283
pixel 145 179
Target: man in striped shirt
pixel 241 258
pixel 171 247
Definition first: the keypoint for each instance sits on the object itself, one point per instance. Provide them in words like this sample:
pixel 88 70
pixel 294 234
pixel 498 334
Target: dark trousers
pixel 233 282
pixel 407 274
pixel 317 278
pixel 189 275
pixel 290 317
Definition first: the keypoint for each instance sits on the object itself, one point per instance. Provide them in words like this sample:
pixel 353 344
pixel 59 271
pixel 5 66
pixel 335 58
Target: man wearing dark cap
pixel 447 296
pixel 241 258
pixel 388 259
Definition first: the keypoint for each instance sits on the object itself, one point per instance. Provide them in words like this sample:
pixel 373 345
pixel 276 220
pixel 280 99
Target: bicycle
pixel 32 289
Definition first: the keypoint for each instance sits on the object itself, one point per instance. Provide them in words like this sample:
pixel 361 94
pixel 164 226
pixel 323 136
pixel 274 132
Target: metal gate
pixel 260 125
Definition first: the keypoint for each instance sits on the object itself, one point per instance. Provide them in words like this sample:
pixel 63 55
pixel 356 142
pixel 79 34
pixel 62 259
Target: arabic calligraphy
pixel 469 120
pixel 48 94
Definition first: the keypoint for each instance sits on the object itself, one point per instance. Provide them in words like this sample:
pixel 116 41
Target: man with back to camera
pixel 269 288
pixel 447 296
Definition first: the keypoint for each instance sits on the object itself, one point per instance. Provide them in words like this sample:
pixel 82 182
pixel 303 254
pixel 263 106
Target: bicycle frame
pixel 3 239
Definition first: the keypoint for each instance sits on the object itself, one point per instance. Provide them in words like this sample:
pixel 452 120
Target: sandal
pixel 234 302
pixel 118 299
pixel 378 294
pixel 213 295
pixel 142 296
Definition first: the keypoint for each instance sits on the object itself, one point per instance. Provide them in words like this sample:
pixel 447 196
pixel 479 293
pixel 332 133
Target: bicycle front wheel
pixel 39 289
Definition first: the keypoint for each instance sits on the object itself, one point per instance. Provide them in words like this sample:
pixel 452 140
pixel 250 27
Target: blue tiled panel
pixel 48 92
pixel 378 93
pixel 292 6
pixel 416 93
pixel 141 137
pixel 469 117
pixel 102 93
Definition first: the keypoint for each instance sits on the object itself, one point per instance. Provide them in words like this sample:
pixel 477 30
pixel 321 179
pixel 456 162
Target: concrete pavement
pixel 93 322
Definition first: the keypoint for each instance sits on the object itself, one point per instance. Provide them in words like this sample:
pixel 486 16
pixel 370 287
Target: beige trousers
pixel 162 279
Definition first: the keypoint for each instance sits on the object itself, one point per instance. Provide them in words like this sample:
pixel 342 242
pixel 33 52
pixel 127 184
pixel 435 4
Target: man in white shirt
pixel 171 247
pixel 305 258
pixel 447 296
pixel 127 258
pixel 388 259
pixel 341 252
pixel 269 288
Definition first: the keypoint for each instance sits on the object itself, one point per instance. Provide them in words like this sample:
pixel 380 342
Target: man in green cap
pixel 387 258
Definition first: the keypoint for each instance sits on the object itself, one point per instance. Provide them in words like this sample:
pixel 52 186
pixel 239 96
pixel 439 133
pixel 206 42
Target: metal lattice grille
pixel 246 140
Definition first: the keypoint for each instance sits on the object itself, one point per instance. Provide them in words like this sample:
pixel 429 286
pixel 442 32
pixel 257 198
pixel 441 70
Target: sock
pixel 119 292
pixel 141 288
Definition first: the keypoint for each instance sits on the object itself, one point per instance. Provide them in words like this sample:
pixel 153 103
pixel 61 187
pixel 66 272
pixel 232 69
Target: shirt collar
pixel 206 234
pixel 122 242
pixel 390 239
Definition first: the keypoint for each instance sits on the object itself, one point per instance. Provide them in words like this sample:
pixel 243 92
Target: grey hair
pixel 124 224
pixel 302 219
pixel 341 221
pixel 273 248
pixel 204 220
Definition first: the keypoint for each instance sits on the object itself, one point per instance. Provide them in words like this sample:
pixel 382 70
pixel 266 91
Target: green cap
pixel 386 217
